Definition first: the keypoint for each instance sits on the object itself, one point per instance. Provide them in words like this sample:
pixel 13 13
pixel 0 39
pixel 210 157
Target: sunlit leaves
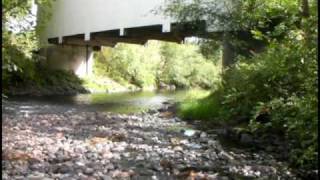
pixel 158 62
pixel 18 40
pixel 257 34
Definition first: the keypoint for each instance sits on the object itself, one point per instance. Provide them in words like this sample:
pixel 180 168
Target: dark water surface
pixel 128 102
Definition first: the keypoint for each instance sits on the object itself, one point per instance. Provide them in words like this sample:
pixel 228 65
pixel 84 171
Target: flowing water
pixel 129 102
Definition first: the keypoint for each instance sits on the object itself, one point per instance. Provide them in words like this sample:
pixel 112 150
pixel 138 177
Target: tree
pixel 280 83
pixel 19 38
pixel 243 24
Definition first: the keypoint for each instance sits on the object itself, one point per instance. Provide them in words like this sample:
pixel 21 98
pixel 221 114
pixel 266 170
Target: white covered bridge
pixel 80 26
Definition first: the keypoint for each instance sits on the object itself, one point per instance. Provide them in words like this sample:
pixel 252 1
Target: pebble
pixel 140 158
pixel 203 135
pixel 66 146
pixel 36 176
pixel 189 132
pixel 88 171
pixel 106 177
pixel 246 138
pixel 178 148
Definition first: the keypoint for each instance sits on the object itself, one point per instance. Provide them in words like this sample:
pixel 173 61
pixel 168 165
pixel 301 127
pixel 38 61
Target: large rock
pixel 246 138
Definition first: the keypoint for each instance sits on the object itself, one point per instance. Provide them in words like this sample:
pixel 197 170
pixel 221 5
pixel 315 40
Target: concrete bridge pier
pixel 228 51
pixel 249 46
pixel 78 59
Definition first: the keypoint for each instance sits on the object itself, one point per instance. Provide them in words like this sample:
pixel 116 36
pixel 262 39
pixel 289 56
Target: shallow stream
pixel 129 102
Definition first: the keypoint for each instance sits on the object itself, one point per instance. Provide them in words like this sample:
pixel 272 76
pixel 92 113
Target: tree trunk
pixel 305 8
pixel 305 15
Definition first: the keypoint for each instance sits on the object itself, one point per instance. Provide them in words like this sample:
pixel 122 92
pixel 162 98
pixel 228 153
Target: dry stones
pixel 86 145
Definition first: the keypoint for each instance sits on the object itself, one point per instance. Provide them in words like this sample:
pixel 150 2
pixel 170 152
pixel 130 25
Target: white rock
pixel 178 148
pixel 203 135
pixel 189 132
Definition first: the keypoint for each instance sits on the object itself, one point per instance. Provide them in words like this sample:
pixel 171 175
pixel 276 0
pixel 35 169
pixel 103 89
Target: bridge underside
pixel 80 57
pixel 136 35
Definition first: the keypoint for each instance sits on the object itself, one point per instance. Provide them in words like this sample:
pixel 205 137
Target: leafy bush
pixel 129 64
pixel 158 62
pixel 199 107
pixel 281 82
pixel 185 67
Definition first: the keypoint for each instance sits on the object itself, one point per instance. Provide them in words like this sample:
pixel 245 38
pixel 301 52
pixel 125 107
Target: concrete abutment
pixel 78 59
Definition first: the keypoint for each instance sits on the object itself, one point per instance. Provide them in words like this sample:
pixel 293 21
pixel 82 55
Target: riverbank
pixel 70 89
pixel 72 85
pixel 42 82
pixel 278 126
pixel 97 145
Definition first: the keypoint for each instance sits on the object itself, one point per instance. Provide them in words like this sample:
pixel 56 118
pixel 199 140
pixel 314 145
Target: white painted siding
pixel 72 17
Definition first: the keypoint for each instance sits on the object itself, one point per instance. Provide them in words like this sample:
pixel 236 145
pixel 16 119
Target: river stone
pixel 150 141
pixel 152 111
pixel 36 176
pixel 16 178
pixel 224 178
pixel 225 155
pixel 154 177
pixel 88 171
pixel 246 138
pixel 222 132
pixel 195 146
pixel 106 177
pixel 203 140
pixel 203 135
pixel 140 158
pixel 109 166
pixel 270 148
pixel 178 148
pixel 146 172
pixel 189 132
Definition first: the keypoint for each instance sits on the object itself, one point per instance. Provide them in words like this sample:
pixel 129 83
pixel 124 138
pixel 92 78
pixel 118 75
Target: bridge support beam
pixel 228 51
pixel 78 59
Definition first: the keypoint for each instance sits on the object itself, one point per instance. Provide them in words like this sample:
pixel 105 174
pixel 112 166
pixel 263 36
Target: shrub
pixel 282 82
pixel 158 62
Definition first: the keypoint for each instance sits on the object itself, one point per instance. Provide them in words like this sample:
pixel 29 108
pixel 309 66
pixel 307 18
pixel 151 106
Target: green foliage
pixel 20 66
pixel 281 82
pixel 38 80
pixel 19 39
pixel 15 9
pixel 44 13
pixel 185 67
pixel 298 118
pixel 158 62
pixel 226 15
pixel 57 77
pixel 96 83
pixel 16 66
pixel 129 63
pixel 196 106
pixel 246 21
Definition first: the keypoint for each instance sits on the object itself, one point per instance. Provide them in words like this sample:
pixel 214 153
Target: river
pixel 128 102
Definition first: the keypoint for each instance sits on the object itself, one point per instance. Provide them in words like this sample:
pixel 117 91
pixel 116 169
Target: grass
pixel 195 105
pixel 88 84
pixel 201 106
pixel 196 94
pixel 101 84
pixel 202 109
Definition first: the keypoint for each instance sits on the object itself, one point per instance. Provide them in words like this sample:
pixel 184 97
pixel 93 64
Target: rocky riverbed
pixel 98 145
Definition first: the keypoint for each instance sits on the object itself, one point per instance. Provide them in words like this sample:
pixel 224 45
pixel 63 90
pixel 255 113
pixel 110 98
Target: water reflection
pixel 117 102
